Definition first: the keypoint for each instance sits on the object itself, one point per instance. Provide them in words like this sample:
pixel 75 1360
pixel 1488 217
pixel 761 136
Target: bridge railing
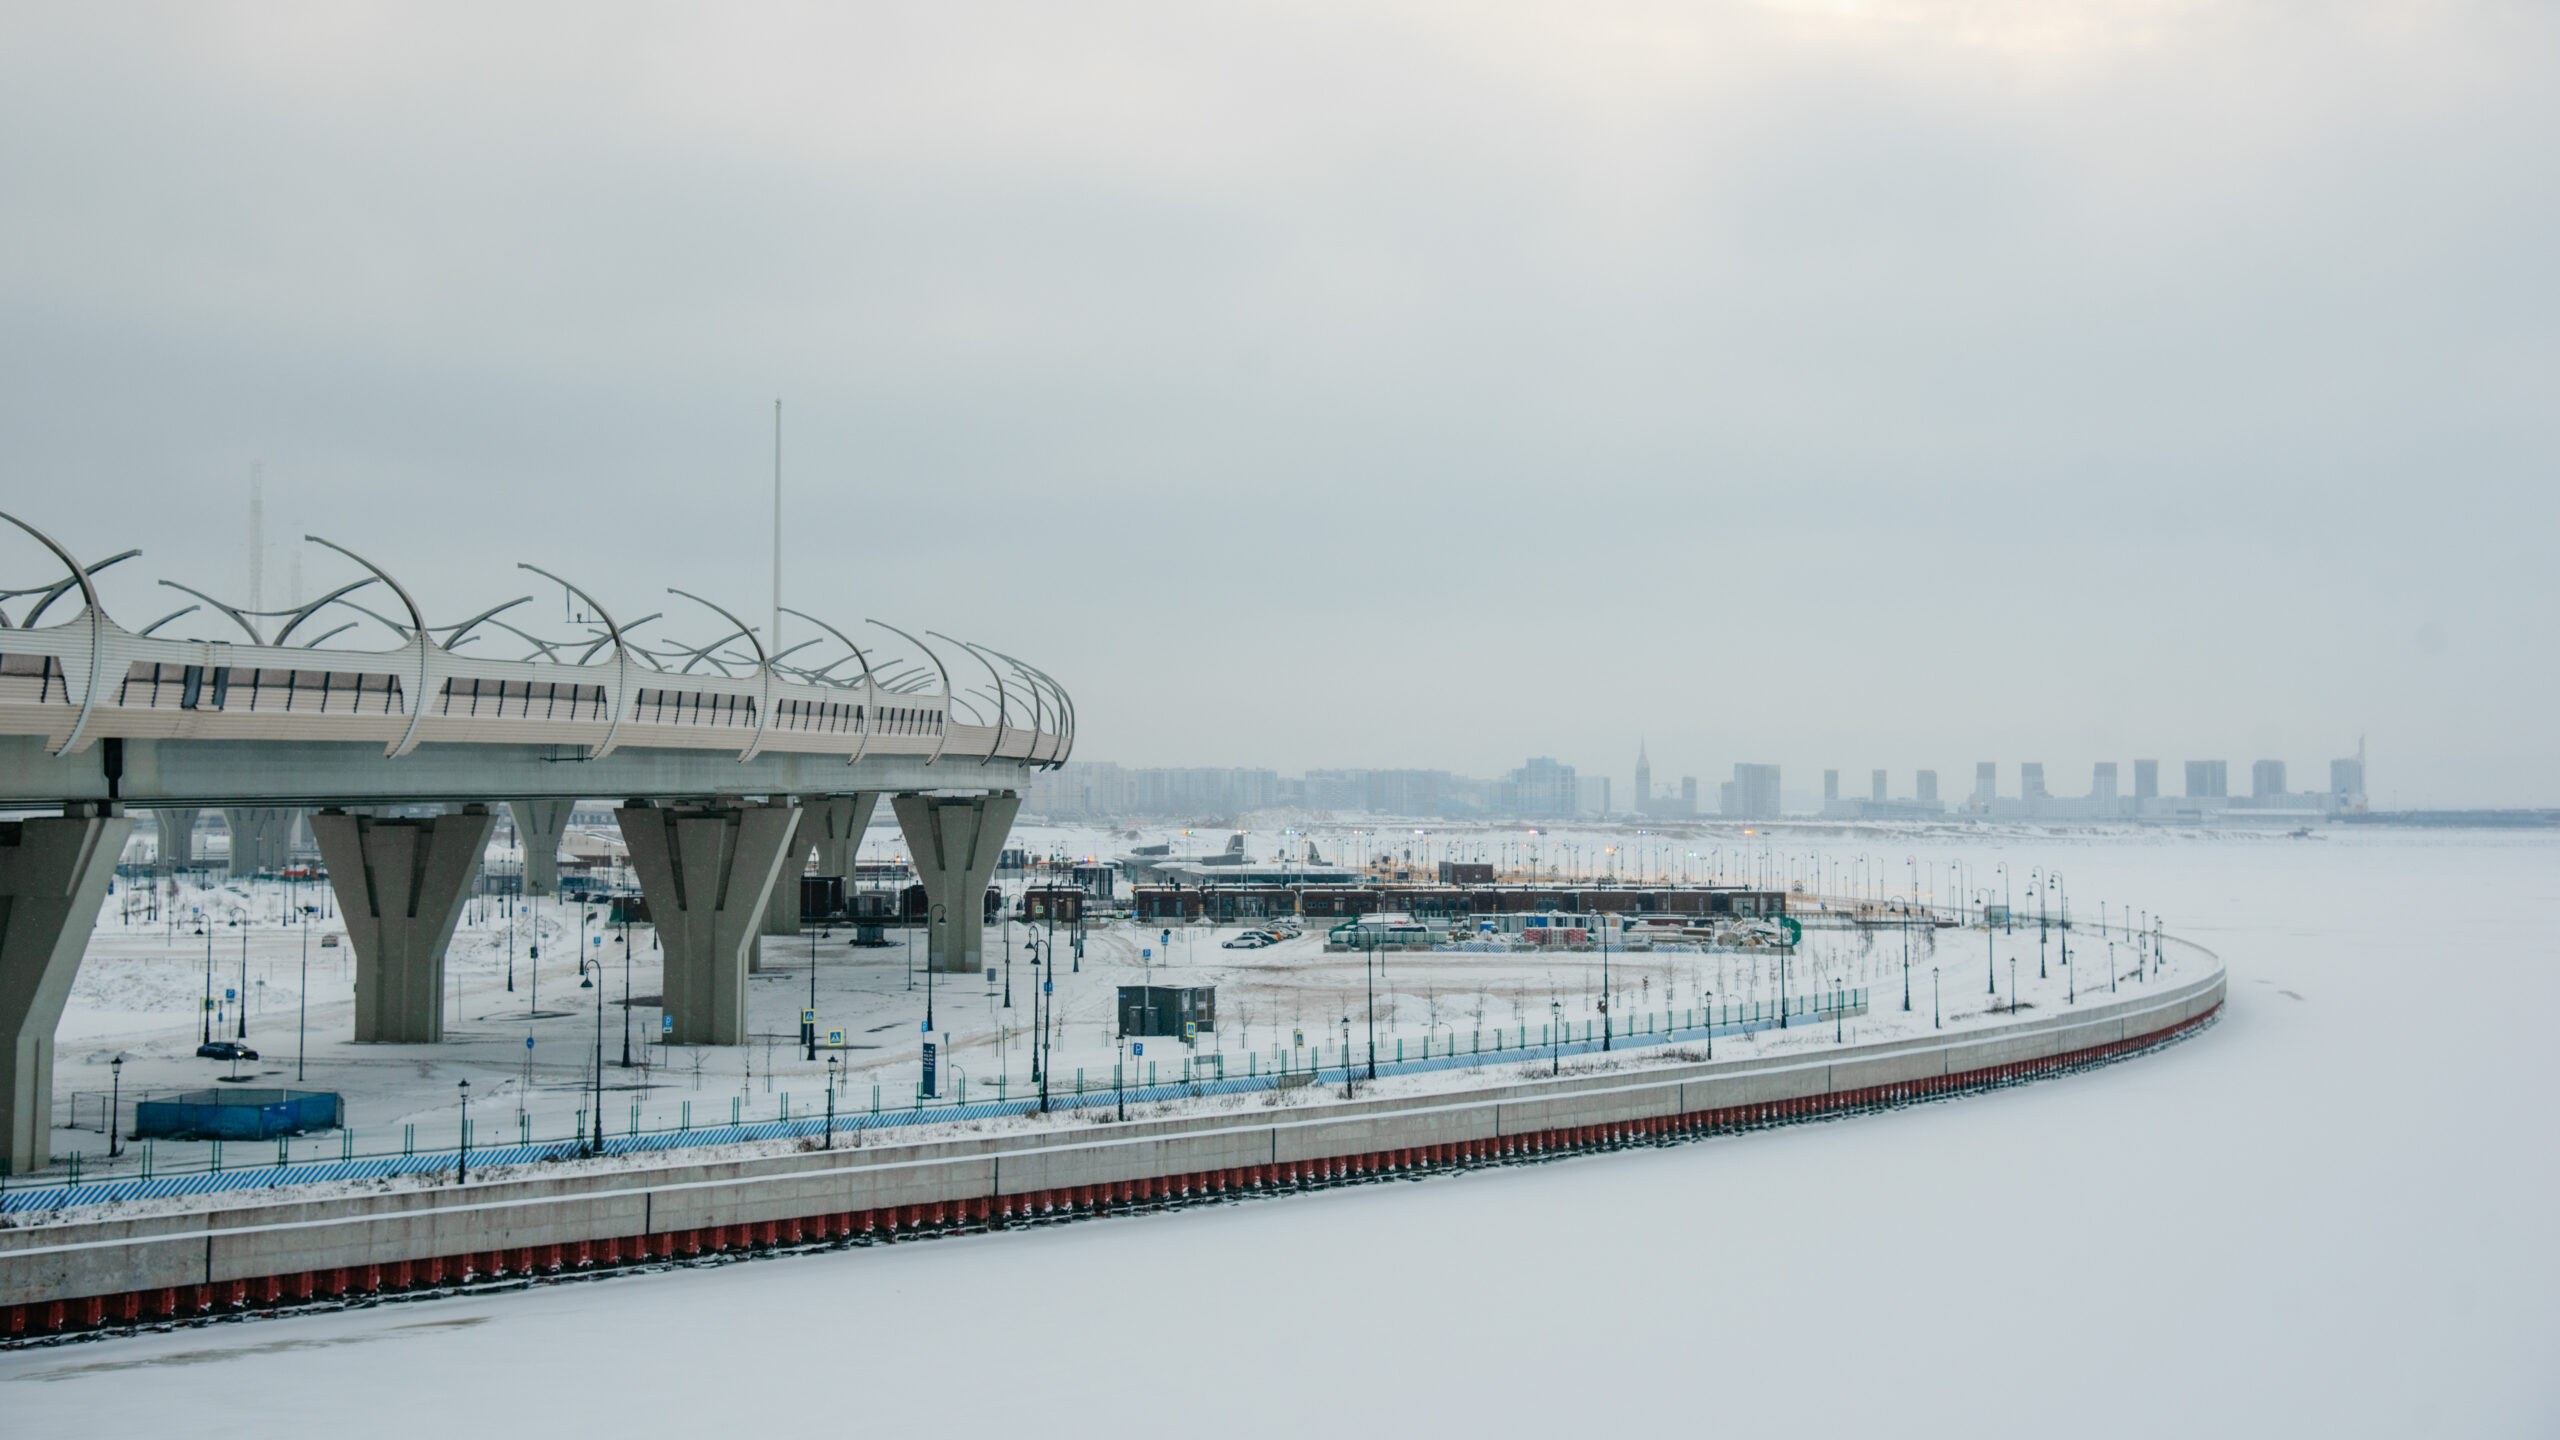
pixel 152 688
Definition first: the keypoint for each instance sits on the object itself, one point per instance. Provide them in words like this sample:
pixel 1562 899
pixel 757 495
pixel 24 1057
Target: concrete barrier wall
pixel 84 1269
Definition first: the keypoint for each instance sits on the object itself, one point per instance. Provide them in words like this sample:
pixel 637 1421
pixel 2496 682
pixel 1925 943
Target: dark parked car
pixel 225 1050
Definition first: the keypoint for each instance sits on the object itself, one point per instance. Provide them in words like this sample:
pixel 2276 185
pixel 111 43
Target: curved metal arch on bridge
pixel 90 607
pixel 870 715
pixel 621 654
pixel 942 732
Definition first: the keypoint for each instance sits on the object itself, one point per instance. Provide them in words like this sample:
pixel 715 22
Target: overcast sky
pixel 1898 384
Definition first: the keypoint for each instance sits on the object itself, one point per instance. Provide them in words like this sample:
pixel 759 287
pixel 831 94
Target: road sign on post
pixel 927 1088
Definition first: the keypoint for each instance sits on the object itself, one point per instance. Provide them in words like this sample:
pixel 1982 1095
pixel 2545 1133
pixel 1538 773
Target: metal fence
pixel 1199 1077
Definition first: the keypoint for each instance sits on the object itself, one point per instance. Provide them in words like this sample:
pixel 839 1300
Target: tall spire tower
pixel 1644 779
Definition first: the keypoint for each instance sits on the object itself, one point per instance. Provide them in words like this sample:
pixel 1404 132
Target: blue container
pixel 238 1114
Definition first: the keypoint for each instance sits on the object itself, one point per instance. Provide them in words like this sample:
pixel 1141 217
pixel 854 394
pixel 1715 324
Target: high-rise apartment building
pixel 2146 779
pixel 2031 780
pixel 2102 781
pixel 1876 786
pixel 2266 779
pixel 1928 784
pixel 1752 793
pixel 2208 779
pixel 1541 788
pixel 1986 782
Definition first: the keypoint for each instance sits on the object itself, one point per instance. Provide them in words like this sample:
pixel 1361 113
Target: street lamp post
pixel 115 1106
pixel 302 1021
pixel 1936 1021
pixel 938 916
pixel 1782 979
pixel 1990 966
pixel 462 1153
pixel 1906 965
pixel 1048 1001
pixel 592 980
pixel 1555 1037
pixel 1605 1025
pixel 626 986
pixel 831 1102
pixel 1373 1014
pixel 2044 925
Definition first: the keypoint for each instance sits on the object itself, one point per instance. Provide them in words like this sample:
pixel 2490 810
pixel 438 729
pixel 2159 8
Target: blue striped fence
pixel 375 1167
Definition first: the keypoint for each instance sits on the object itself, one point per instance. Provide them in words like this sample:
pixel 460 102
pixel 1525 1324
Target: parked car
pixel 1252 940
pixel 225 1050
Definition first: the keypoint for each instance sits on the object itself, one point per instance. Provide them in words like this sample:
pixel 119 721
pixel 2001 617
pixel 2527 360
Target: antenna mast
pixel 776 632
pixel 257 536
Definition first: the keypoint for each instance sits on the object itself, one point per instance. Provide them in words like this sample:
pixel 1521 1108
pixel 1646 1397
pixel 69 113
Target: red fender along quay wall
pixel 88 1270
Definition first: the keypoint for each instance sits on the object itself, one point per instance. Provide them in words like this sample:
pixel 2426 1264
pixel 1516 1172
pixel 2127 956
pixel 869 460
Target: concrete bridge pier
pixel 539 826
pixel 261 838
pixel 782 911
pixel 400 886
pixel 832 825
pixel 53 877
pixel 954 841
pixel 708 873
pixel 835 827
pixel 177 839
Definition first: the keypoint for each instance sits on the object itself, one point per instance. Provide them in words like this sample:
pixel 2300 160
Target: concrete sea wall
pixel 275 1249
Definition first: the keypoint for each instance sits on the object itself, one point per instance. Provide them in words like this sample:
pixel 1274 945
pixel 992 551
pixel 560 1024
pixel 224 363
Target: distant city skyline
pixel 1546 787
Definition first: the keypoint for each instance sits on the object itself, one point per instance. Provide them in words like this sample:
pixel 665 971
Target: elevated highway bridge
pixel 735 757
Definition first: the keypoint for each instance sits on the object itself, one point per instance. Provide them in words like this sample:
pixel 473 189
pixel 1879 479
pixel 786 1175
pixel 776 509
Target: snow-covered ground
pixel 2328 1215
pixel 141 988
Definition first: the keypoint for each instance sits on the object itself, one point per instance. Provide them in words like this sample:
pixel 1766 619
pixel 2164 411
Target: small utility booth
pixel 1171 1010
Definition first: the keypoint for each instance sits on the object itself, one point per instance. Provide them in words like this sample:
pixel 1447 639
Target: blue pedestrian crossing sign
pixel 836 1038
